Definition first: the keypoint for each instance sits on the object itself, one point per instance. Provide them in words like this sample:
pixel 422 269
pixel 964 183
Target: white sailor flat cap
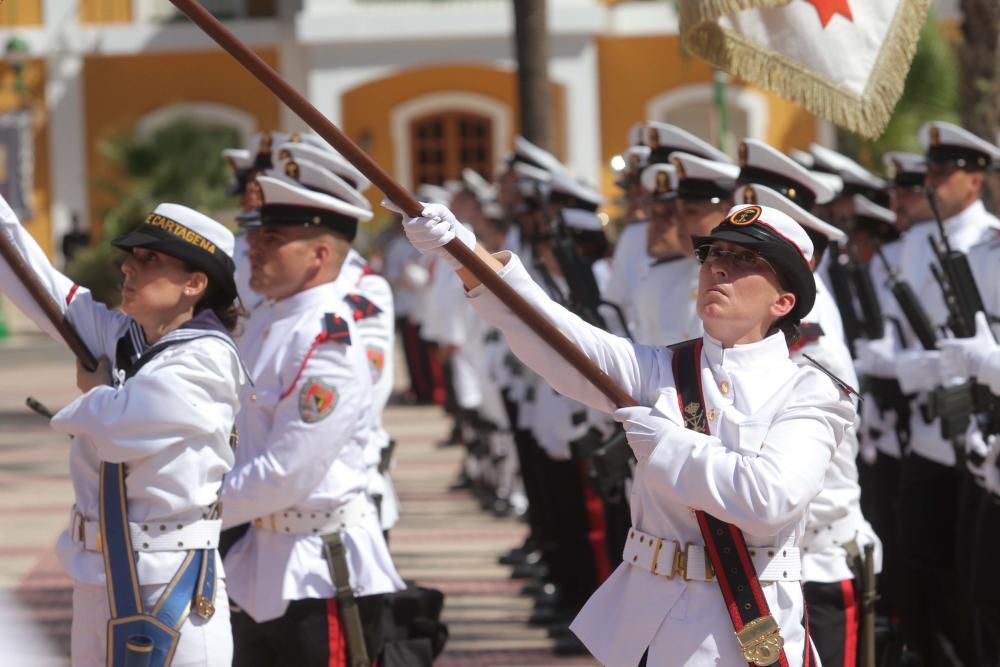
pixel 531 180
pixel 664 139
pixel 701 179
pixel 289 204
pixel 765 196
pixel 327 158
pixel 857 179
pixel 660 180
pixel 319 179
pixel 878 219
pixel 566 191
pixel 191 236
pixel 946 142
pixel 765 165
pixel 581 220
pixel 779 239
pixel 905 169
pixel 536 156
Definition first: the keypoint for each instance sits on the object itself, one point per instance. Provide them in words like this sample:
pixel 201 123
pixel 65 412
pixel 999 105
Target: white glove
pixel 965 357
pixel 435 227
pixel 644 429
pixel 990 471
pixel 976 451
pixel 876 358
pixel 919 370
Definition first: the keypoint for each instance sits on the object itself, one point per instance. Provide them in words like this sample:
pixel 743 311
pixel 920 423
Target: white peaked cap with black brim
pixel 327 158
pixel 761 195
pixel 857 179
pixel 762 164
pixel 804 158
pixel 582 220
pixel 433 194
pixel 664 139
pixel 241 162
pixel 263 146
pixel 483 190
pixel 947 142
pixel 287 204
pixel 660 187
pixel 318 179
pixel 780 240
pixel 566 191
pixel 192 237
pixel 905 169
pixel 701 179
pixel 534 155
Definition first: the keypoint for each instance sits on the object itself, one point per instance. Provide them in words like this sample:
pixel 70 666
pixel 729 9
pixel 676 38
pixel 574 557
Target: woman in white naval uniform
pixel 169 420
pixel 777 426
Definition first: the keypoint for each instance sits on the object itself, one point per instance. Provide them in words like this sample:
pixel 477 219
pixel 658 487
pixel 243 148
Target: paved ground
pixel 443 540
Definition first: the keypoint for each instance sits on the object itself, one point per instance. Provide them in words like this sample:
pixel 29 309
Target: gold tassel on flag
pixel 843 60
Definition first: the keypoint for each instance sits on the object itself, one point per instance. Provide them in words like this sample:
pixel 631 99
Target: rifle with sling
pixel 840 285
pixel 955 405
pixel 872 324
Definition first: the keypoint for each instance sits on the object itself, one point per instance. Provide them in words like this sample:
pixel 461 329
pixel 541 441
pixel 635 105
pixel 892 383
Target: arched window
pixel 436 135
pixel 208 113
pixel 445 143
pixel 694 108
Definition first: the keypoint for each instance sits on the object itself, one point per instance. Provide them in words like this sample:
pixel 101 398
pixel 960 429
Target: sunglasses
pixel 744 260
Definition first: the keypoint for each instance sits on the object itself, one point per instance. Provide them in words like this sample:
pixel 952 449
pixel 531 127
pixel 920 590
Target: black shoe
pixel 559 631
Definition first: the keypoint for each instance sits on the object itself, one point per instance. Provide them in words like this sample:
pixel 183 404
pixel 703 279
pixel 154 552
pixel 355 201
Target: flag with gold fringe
pixel 844 60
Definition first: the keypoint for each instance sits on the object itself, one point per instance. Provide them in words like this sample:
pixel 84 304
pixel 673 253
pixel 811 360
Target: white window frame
pixel 209 113
pixel 444 101
pixel 749 101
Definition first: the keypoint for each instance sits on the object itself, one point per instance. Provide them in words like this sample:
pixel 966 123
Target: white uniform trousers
pixel 202 643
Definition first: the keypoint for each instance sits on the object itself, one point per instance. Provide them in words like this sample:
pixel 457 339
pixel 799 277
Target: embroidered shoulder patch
pixel 376 361
pixel 316 400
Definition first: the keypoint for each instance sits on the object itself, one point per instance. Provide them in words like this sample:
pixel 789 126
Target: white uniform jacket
pixel 775 428
pixel 628 265
pixel 984 260
pixel 666 303
pixel 378 335
pixel 965 230
pixel 170 423
pixel 834 518
pixel 303 430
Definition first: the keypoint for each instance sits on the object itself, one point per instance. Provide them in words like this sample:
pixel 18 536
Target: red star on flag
pixel 828 8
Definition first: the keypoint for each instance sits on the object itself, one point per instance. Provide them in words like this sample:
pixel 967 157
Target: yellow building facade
pixel 423 87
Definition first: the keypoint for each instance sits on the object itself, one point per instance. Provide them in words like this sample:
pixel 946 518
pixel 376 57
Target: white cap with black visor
pixel 777 238
pixel 192 237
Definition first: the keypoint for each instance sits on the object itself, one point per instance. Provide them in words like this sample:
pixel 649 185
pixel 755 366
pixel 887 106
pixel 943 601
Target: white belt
pixel 151 536
pixel 839 533
pixel 318 522
pixel 667 558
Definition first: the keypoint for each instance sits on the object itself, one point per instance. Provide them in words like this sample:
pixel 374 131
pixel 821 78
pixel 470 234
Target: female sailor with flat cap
pixel 151 440
pixel 733 440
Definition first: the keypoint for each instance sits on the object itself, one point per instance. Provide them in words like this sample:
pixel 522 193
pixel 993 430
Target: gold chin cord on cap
pixel 760 641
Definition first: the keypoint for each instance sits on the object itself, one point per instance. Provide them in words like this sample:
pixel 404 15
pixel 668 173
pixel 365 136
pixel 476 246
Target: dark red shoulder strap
pixel 756 629
pixel 361 307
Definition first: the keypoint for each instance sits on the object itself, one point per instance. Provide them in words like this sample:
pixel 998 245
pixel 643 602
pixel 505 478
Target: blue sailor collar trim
pixel 750 356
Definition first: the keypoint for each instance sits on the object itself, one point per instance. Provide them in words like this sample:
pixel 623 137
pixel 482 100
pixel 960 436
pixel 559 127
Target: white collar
pixel 326 294
pixel 751 356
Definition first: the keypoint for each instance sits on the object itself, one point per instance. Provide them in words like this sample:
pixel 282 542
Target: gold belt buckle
pixel 761 641
pixel 204 607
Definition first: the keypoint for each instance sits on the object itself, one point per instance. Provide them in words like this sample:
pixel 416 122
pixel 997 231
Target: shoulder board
pixel 843 386
pixel 335 328
pixel 361 307
pixel 809 332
